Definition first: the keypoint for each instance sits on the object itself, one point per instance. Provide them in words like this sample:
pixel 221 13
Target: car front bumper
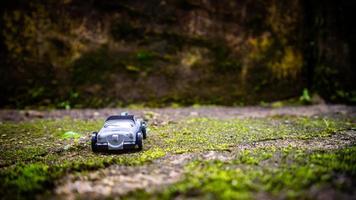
pixel 106 147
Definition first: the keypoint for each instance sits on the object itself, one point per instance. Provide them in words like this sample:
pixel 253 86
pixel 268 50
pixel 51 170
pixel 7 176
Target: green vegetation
pixel 305 98
pixel 36 153
pixel 272 172
pixel 199 134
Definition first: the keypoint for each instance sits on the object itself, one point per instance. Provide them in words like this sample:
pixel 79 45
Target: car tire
pixel 144 132
pixel 139 141
pixel 94 147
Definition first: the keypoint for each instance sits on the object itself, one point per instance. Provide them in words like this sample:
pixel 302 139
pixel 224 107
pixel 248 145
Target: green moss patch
pixel 36 153
pixel 70 134
pixel 274 173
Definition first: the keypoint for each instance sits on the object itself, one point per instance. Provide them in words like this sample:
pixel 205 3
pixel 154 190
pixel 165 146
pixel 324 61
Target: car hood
pixel 115 130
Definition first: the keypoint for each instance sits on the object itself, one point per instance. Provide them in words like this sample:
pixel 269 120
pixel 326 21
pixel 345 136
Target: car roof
pixel 120 117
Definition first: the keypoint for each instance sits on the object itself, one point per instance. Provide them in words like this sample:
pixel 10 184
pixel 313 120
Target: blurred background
pixel 110 53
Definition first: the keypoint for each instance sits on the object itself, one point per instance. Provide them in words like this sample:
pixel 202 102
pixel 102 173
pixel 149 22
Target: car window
pixel 120 123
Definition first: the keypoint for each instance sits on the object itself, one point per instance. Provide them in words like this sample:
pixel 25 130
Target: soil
pixel 120 180
pixel 172 114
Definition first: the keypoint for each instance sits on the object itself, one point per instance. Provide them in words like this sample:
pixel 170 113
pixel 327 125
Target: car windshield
pixel 119 123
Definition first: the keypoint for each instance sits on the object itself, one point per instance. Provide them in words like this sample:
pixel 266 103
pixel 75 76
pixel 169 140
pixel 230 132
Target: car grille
pixel 115 139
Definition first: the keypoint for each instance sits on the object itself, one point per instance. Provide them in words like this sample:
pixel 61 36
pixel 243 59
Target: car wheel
pixel 139 141
pixel 144 132
pixel 93 141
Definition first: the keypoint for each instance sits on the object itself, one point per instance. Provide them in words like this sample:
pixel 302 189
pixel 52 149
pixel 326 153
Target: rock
pixel 33 113
pixel 194 113
pixel 316 99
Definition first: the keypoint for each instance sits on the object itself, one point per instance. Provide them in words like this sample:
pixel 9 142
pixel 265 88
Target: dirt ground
pixel 180 113
pixel 118 180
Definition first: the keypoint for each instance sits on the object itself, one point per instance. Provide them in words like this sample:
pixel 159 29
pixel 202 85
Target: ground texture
pixel 197 152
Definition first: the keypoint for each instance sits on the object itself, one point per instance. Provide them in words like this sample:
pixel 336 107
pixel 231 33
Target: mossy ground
pixel 36 153
pixel 267 173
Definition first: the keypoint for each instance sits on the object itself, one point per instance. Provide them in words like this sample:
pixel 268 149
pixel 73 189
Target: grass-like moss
pixel 36 153
pixel 286 173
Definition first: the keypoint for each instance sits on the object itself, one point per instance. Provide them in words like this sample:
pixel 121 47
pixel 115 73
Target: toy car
pixel 119 132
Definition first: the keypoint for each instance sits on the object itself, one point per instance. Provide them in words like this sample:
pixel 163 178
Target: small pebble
pixel 194 113
pixel 66 147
